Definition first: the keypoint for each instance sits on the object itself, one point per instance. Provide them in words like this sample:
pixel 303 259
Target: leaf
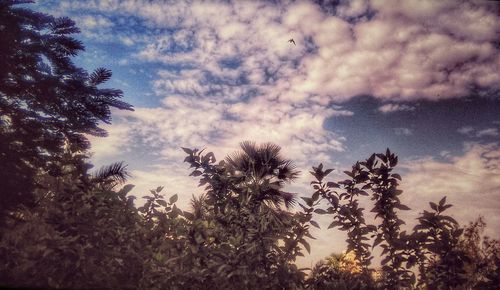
pixel 402 207
pixel 126 189
pixel 314 224
pixel 446 207
pixel 348 173
pixel 385 260
pixel 412 260
pixel 442 202
pixel 334 224
pixel 320 211
pixel 116 172
pixel 332 184
pixel 303 207
pixel 188 215
pixel 309 236
pixel 377 241
pixel 362 192
pixel 433 206
pixel 308 200
pixel 175 211
pixel 382 157
pixel 211 157
pixel 162 202
pixel 187 150
pixel 335 201
pixel 173 198
pixel 449 219
pixel 306 245
pixel 393 162
pixel 315 196
pixel 100 76
pixel 397 176
pixel 196 173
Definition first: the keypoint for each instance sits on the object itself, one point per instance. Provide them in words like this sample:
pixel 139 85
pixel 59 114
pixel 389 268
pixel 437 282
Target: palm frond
pixel 270 152
pixel 64 25
pixel 250 149
pixel 115 173
pixel 239 161
pixel 289 198
pixel 263 164
pixel 288 171
pixel 199 206
pixel 100 76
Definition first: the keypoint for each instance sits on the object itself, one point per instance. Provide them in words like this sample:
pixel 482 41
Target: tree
pixel 483 267
pixel 371 178
pixel 444 255
pixel 340 271
pixel 81 234
pixel 263 167
pixel 441 262
pixel 86 232
pixel 46 102
pixel 243 237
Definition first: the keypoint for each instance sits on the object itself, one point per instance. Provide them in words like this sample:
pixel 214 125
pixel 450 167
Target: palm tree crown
pixel 263 167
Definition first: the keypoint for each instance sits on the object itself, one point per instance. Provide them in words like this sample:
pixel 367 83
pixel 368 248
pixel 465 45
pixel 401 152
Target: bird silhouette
pixel 292 41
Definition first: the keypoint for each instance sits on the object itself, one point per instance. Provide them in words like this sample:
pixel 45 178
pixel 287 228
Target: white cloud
pixel 406 51
pixel 489 132
pixel 117 141
pixel 478 133
pixel 465 130
pixel 469 181
pixel 123 62
pixel 127 40
pixel 390 108
pixel 92 22
pixel 353 8
pixel 95 26
pixel 403 131
pixel 220 126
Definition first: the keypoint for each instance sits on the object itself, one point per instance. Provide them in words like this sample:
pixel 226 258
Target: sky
pixel 419 77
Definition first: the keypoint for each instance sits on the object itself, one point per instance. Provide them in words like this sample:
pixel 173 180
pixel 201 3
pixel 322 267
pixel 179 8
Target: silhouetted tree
pixel 46 102
pixel 483 252
pixel 81 234
pixel 242 237
pixel 263 167
pixel 86 232
pixel 445 255
pixel 371 178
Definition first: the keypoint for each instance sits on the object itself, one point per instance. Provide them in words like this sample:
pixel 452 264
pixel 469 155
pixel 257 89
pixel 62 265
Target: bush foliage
pixel 242 233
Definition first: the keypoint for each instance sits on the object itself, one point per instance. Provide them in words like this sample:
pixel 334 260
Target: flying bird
pixel 292 41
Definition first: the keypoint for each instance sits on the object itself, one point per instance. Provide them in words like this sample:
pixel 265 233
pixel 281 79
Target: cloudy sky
pixel 419 77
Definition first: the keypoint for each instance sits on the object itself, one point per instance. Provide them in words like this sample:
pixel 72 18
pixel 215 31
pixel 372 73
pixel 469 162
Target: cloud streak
pixel 391 108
